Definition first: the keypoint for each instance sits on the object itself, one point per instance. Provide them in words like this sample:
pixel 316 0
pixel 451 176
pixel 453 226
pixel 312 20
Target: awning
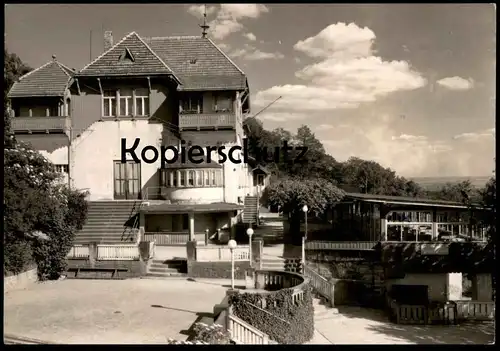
pixel 198 208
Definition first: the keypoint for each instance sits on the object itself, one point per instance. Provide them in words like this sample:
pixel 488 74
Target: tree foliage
pixel 13 69
pixel 40 214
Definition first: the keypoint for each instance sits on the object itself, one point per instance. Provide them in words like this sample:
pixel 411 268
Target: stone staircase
pixel 273 264
pixel 110 222
pixel 251 210
pixel 167 268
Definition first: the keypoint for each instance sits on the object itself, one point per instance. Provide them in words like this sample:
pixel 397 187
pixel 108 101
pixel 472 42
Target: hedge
pixel 281 319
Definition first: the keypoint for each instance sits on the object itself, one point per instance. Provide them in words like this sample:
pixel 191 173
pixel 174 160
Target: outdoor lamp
pixel 250 233
pixel 232 245
pixel 304 209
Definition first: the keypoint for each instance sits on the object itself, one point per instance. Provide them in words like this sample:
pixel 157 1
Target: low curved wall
pixel 280 305
pixel 20 281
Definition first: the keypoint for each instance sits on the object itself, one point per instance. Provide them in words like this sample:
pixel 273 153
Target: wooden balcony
pixel 50 124
pixel 207 121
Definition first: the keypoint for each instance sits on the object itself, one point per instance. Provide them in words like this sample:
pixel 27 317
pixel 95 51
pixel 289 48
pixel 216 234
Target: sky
pixel 411 86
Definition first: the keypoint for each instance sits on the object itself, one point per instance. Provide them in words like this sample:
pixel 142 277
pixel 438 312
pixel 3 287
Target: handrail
pixel 244 333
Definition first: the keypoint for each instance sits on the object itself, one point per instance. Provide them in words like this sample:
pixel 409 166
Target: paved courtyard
pixel 131 311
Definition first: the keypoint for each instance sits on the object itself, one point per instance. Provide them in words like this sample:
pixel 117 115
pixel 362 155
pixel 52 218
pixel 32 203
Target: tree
pixel 291 194
pixel 463 192
pixel 13 69
pixel 40 215
pixel 305 137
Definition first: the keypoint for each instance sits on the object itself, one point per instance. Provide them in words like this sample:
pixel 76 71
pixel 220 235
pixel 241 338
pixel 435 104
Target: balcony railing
pixel 40 124
pixel 207 120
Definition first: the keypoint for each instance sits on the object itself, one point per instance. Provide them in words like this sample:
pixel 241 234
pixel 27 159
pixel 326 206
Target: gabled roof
pixel 51 79
pixel 145 61
pixel 198 63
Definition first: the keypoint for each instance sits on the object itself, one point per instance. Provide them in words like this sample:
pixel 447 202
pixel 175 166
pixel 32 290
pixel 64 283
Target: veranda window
pixel 109 104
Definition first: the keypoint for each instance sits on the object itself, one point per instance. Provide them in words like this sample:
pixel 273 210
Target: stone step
pixel 162 270
pixel 164 275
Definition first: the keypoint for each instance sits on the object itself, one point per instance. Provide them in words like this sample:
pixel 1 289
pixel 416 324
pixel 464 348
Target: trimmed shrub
pixel 279 317
pixel 41 216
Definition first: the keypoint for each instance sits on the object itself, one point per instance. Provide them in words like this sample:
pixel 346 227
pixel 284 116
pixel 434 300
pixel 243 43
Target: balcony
pixel 207 121
pixel 50 124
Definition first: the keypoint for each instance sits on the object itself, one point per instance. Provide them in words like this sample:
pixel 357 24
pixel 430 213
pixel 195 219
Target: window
pixel 62 168
pixel 199 178
pixel 109 104
pixel 192 103
pixel 214 180
pixel 125 98
pixel 174 176
pixel 185 222
pixel 131 102
pixel 207 178
pixel 182 178
pixel 191 178
pixel 223 103
pixel 141 102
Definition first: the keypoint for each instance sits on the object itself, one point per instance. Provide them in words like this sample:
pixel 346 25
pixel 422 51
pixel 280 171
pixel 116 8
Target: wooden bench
pixel 113 271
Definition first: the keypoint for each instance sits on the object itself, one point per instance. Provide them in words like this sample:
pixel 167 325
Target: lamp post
pixel 250 233
pixel 304 237
pixel 206 236
pixel 232 245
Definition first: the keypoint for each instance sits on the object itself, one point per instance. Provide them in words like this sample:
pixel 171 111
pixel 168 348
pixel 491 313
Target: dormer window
pixel 127 56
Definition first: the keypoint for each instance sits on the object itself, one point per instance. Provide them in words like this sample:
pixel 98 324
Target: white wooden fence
pixel 222 253
pixel 117 252
pixel 78 251
pixel 475 310
pixel 106 252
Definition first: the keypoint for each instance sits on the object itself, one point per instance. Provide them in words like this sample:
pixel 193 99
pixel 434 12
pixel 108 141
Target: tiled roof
pixel 198 63
pixel 403 199
pixel 145 61
pixel 51 79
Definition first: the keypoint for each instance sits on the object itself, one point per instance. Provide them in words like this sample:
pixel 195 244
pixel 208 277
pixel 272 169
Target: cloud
pixel 254 54
pixel 347 75
pixel 199 10
pixel 456 83
pixel 280 116
pixel 372 137
pixel 339 41
pixel 228 17
pixel 324 127
pixel 488 133
pixel 409 137
pixel 250 36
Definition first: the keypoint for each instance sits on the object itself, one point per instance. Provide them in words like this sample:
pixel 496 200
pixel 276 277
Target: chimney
pixel 108 40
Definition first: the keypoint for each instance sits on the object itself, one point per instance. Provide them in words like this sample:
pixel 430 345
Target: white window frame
pixel 111 112
pixel 126 99
pixel 144 102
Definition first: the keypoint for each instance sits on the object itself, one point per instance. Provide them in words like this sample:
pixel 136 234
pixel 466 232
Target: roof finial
pixel 54 58
pixel 204 26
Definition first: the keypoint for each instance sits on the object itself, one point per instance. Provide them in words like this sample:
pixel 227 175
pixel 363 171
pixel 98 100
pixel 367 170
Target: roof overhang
pixel 164 208
pixel 261 168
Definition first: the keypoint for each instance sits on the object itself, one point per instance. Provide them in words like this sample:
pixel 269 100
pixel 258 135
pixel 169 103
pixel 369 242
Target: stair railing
pixel 124 236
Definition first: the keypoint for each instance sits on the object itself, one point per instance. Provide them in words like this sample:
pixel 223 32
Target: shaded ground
pixel 136 311
pixel 356 325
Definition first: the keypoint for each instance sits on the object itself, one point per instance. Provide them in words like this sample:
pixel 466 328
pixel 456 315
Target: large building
pixel 145 95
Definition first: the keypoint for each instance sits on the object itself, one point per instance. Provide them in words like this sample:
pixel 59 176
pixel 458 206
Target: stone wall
pixel 134 268
pixel 217 269
pixel 20 281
